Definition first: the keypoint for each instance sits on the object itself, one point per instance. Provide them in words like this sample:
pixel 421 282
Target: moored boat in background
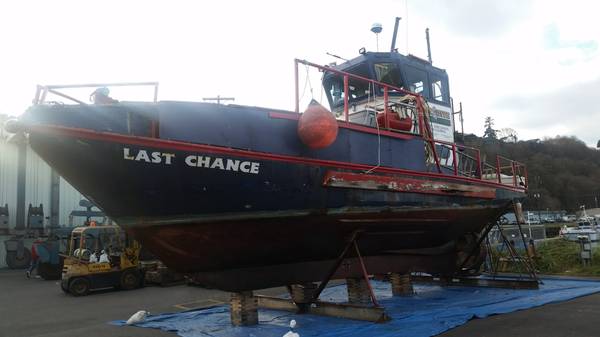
pixel 586 226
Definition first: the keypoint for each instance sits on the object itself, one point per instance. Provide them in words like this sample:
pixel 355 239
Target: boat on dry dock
pixel 587 226
pixel 247 197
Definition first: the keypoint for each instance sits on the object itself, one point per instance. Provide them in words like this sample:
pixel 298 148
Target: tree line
pixel 564 173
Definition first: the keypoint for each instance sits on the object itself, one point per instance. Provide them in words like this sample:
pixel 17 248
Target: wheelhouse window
pixel 334 87
pixel 417 87
pixel 438 90
pixel 388 73
pixel 357 89
pixel 416 79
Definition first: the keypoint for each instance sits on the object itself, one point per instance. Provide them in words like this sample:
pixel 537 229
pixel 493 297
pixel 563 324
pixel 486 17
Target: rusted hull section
pixel 406 185
pixel 240 279
pixel 251 254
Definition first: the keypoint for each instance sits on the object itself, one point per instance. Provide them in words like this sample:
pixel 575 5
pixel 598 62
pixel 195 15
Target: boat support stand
pixel 305 297
pixel 525 279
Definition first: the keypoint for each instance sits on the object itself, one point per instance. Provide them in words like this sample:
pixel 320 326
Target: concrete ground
pixel 35 308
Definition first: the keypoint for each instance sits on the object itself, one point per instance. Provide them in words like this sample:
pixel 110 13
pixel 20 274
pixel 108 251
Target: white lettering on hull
pixel 225 164
pixel 154 157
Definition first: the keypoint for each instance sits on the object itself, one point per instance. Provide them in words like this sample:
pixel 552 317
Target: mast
pixel 395 34
pixel 428 45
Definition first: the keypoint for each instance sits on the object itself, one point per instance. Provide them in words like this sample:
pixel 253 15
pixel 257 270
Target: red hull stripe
pixel 182 146
pixel 347 125
pixel 408 185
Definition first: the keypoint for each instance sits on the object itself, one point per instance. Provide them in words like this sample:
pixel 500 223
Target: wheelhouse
pixel 409 73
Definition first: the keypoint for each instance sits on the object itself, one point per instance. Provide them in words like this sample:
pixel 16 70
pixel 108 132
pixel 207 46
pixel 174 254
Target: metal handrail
pixel 460 162
pixel 43 90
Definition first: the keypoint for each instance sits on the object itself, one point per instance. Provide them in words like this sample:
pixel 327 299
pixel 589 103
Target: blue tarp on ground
pixel 431 311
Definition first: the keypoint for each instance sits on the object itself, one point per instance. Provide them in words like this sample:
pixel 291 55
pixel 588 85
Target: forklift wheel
pixel 130 279
pixel 79 286
pixel 64 289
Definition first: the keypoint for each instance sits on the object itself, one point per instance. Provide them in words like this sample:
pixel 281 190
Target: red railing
pixel 461 159
pixel 346 76
pixel 466 161
pixel 455 159
pixel 424 130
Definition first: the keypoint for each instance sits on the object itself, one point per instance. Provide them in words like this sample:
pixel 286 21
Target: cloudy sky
pixel 533 66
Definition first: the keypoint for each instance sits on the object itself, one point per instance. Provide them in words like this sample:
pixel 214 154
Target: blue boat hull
pixel 233 195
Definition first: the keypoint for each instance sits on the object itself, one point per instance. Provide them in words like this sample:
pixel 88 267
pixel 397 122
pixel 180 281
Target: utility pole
pixel 537 197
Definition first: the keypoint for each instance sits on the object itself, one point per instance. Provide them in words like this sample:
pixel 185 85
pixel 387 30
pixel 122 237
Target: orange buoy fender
pixel 317 127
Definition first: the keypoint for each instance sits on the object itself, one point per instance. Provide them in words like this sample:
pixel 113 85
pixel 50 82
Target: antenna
pixel 336 56
pixel 395 34
pixel 377 28
pixel 428 46
pixel 218 99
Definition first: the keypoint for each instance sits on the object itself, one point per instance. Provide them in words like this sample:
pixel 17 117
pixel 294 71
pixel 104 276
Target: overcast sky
pixel 533 66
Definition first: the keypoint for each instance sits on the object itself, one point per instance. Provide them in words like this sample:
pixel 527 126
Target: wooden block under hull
pixel 243 308
pixel 349 311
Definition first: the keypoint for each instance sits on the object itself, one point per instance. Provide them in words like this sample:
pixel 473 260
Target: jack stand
pixel 244 309
pixel 532 282
pixel 359 290
pixel 522 261
pixel 335 265
pixel 401 284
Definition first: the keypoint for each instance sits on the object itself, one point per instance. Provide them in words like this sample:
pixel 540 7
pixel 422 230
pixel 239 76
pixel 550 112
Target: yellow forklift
pixel 101 257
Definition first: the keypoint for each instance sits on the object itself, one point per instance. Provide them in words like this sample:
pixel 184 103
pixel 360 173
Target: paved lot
pixel 36 308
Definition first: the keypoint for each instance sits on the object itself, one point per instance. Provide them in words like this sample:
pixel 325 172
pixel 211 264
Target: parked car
pixel 532 219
